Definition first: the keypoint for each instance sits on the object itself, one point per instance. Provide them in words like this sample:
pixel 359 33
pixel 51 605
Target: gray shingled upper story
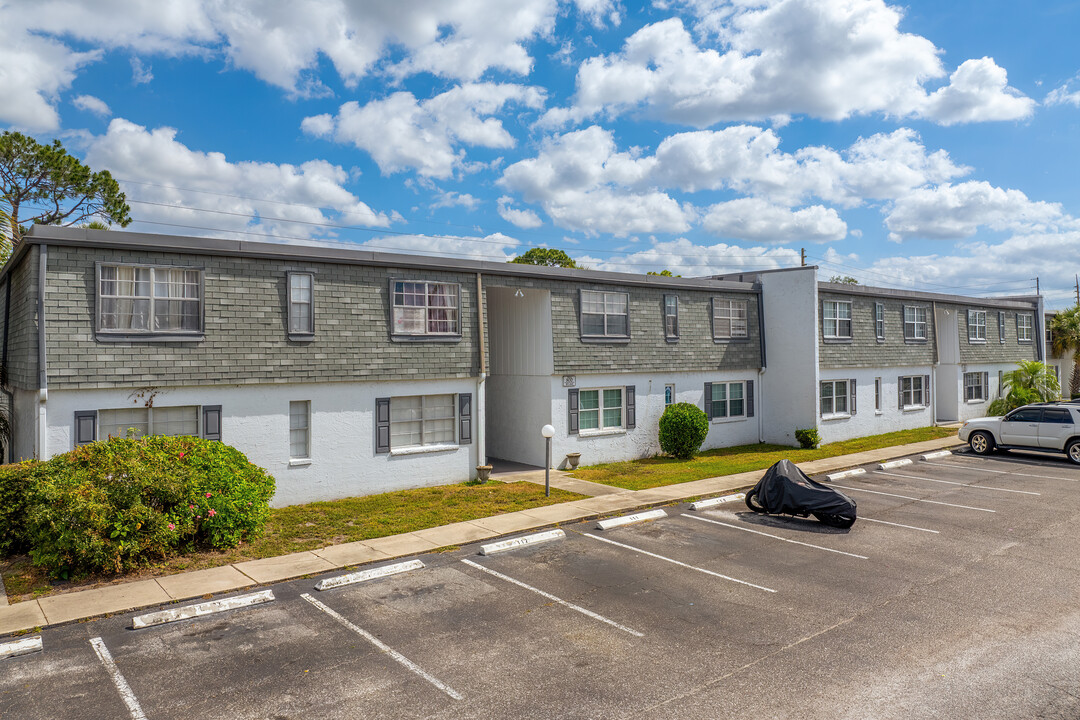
pixel 245 339
pixel 22 335
pixel 993 350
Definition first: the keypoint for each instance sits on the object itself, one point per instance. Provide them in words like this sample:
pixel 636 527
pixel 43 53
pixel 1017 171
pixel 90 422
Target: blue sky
pixel 928 145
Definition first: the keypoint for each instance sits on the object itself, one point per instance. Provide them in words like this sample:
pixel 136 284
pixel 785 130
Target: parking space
pixel 683 616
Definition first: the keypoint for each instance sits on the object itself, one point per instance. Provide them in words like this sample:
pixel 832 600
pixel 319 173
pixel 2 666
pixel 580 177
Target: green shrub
pixel 809 438
pixel 683 428
pixel 13 494
pixel 111 506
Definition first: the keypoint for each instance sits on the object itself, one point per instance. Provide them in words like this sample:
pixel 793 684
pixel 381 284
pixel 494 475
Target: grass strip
pixel 659 471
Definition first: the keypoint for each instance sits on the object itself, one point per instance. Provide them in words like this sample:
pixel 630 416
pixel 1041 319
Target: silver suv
pixel 1045 427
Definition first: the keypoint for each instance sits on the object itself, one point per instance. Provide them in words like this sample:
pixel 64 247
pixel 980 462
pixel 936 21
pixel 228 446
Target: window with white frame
pixel 1001 327
pixel 141 421
pixel 671 316
pixel 605 314
pixel 301 303
pixel 669 394
pixel 728 399
pixel 914 323
pixel 425 309
pixel 836 318
pixel 912 392
pixel 879 321
pixel 138 300
pixel 300 430
pixel 729 319
pixel 1024 323
pixel 976 325
pixel 834 397
pixel 420 420
pixel 975 386
pixel 877 394
pixel 600 409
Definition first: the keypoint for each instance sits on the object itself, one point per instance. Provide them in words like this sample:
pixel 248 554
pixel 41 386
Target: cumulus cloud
pixel 495 247
pixel 402 133
pixel 951 212
pixel 756 220
pixel 829 59
pixel 1064 95
pixel 685 258
pixel 209 195
pixel 525 219
pixel 91 104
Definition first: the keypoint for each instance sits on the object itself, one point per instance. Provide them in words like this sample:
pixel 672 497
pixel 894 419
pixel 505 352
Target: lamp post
pixel 547 431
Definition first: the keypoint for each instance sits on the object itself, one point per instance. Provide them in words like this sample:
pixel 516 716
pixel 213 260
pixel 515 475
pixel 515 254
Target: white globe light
pixel 547 431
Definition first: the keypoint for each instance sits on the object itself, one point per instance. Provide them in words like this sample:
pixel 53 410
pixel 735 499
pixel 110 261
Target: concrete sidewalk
pixel 68 607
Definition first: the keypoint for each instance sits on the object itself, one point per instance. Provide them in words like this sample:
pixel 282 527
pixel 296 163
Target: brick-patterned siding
pixel 22 354
pixel 864 350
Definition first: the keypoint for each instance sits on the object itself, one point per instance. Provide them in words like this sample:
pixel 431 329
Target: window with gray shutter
pixel 851 389
pixel 211 422
pixel 464 418
pixel 749 398
pixel 572 411
pixel 900 392
pixel 926 390
pixel 708 400
pixel 631 411
pixel 85 426
pixel 382 425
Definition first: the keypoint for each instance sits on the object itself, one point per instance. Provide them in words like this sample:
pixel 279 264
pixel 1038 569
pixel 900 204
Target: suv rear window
pixel 1057 416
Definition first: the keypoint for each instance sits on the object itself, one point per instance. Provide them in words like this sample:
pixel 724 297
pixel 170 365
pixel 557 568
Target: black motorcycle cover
pixel 785 489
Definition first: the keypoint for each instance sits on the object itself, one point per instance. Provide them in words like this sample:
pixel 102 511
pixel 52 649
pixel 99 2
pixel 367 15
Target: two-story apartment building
pixel 859 360
pixel 347 372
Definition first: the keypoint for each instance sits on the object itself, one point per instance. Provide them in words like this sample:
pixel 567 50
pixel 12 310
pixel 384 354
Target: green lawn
pixel 658 471
pixel 315 525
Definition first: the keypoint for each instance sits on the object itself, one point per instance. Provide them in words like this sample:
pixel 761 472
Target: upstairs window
pixel 1001 327
pixel 671 317
pixel 729 319
pixel 1024 324
pixel 137 300
pixel 879 321
pixel 605 314
pixel 301 304
pixel 914 323
pixel 425 309
pixel 836 319
pixel 976 325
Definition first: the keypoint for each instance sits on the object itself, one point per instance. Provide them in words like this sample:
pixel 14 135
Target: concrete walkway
pixel 122 597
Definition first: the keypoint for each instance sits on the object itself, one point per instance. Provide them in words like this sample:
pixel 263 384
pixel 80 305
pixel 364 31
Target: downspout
pixel 42 448
pixel 481 399
pixel 761 370
pixel 936 387
pixel 9 453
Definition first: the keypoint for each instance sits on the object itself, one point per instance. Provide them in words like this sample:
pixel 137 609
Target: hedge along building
pixel 862 360
pixel 346 372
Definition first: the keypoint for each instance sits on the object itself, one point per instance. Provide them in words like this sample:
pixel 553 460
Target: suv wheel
pixel 982 444
pixel 1073 451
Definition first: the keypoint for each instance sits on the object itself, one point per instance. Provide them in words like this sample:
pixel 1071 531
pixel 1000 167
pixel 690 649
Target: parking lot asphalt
pixel 954 596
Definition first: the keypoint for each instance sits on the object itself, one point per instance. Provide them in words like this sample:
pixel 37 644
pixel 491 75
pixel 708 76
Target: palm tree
pixel 1065 336
pixel 1032 381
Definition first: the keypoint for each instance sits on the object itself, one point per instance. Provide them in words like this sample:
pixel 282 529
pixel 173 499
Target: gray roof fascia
pixel 751 273
pixel 113 239
pixel 1015 302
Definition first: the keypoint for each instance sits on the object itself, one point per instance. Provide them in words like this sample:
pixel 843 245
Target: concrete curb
pixel 847 473
pixel 713 502
pixel 20 647
pixel 372 574
pixel 524 541
pixel 938 454
pixel 207 608
pixel 124 597
pixel 894 464
pixel 630 519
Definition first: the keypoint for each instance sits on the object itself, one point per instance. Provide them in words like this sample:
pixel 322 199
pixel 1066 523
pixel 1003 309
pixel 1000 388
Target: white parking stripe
pixel 551 597
pixel 958 466
pixel 950 482
pixel 907 497
pixel 909 527
pixel 680 564
pixel 118 679
pixel 776 537
pixel 384 647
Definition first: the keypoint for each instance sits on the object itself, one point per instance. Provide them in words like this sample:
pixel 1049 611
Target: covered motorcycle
pixel 785 489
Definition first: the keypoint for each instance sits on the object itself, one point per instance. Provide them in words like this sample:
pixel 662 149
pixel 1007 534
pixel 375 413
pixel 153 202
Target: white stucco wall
pixel 791 307
pixel 643 439
pixel 867 420
pixel 255 420
pixel 518 406
pixel 950 395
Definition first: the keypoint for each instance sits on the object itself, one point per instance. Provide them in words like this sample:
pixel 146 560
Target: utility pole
pixel 802 252
pixel 1036 284
pixel 1078 290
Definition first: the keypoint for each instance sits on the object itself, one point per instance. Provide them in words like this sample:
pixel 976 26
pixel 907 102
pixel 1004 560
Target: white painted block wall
pixel 867 420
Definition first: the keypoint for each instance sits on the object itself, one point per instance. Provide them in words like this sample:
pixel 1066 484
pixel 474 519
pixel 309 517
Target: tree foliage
pixel 843 280
pixel 548 257
pixel 1065 339
pixel 1031 382
pixel 42 184
pixel 662 273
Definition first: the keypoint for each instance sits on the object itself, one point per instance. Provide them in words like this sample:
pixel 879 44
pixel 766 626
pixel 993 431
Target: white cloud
pixel 829 59
pixel 452 198
pixel 756 220
pixel 525 219
pixel 140 74
pixel 951 212
pixel 683 257
pixel 495 247
pixel 91 104
pixel 244 200
pixel 1064 95
pixel 402 133
pixel 600 12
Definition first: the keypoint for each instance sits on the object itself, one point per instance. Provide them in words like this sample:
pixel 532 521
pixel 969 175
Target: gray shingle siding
pixel 864 349
pixel 245 326
pixel 993 350
pixel 22 354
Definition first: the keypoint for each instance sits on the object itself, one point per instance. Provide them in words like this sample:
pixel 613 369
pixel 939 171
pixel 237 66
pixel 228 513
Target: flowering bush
pixel 113 505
